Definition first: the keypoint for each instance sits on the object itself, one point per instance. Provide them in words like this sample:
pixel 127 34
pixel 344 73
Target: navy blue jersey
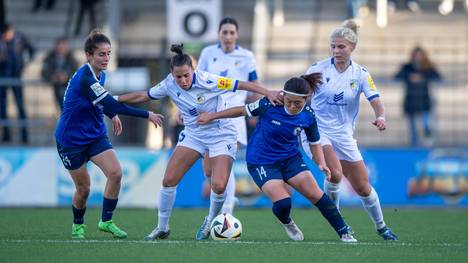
pixel 276 136
pixel 82 119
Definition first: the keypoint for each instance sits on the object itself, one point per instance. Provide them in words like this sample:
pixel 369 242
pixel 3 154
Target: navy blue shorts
pixel 74 157
pixel 282 170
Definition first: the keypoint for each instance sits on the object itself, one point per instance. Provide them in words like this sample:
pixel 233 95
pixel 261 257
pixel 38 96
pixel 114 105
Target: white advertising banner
pixel 193 21
pixel 36 177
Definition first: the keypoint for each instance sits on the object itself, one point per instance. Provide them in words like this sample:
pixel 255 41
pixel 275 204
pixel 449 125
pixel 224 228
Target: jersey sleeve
pixel 158 91
pixel 215 83
pixel 312 132
pixel 257 108
pixel 203 60
pixel 313 69
pixel 368 86
pixel 92 89
pixel 252 67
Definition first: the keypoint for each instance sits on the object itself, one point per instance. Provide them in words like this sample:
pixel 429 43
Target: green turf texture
pixel 43 235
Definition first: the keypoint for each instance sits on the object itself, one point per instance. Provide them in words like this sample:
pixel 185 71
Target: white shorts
pixel 241 129
pixel 345 148
pixel 222 144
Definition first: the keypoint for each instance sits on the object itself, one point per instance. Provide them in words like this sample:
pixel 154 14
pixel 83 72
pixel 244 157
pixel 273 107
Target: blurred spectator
pixel 13 46
pixel 412 5
pixel 446 6
pixel 357 8
pixel 49 5
pixel 58 67
pixel 86 6
pixel 416 74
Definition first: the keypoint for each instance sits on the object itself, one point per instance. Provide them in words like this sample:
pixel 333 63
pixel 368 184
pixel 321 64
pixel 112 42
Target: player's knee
pixel 363 189
pixel 83 191
pixel 218 186
pixel 336 175
pixel 169 182
pixel 115 175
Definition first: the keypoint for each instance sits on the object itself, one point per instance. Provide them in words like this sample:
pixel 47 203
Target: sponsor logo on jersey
pixel 276 122
pixel 338 97
pixel 193 112
pixel 225 83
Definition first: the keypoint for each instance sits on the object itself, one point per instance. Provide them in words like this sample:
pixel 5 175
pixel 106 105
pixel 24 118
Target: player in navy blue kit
pixel 81 134
pixel 273 156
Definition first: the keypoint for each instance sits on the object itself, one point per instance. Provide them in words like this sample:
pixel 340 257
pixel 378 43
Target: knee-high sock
pixel 331 213
pixel 372 205
pixel 282 210
pixel 216 203
pixel 333 192
pixel 230 195
pixel 167 197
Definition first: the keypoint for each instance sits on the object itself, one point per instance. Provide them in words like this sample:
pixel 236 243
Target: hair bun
pixel 178 48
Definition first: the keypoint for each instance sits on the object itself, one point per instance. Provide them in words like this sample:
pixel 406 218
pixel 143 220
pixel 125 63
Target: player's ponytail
pixel 313 80
pixel 303 85
pixel 179 59
pixel 95 37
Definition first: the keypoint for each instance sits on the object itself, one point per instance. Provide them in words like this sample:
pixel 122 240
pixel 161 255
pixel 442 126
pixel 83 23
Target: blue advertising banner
pixel 416 177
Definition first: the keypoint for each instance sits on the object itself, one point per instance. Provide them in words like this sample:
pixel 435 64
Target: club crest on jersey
pixel 297 131
pixel 237 63
pixel 200 98
pixel 353 83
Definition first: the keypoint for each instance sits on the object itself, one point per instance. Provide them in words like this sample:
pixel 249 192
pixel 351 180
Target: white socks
pixel 216 203
pixel 228 206
pixel 333 191
pixel 372 205
pixel 167 197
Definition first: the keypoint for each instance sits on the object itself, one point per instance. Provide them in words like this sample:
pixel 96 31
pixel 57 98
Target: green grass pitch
pixel 43 235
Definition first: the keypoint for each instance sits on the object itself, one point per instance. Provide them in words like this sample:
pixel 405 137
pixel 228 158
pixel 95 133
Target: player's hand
pixel 204 118
pixel 380 123
pixel 179 119
pixel 156 119
pixel 117 125
pixel 324 168
pixel 275 97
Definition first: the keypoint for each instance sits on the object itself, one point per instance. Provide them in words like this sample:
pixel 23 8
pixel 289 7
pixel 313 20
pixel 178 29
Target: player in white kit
pixel 336 105
pixel 227 59
pixel 195 92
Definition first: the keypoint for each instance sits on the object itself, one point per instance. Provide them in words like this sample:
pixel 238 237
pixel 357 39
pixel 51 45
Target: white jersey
pixel 203 96
pixel 238 64
pixel 336 101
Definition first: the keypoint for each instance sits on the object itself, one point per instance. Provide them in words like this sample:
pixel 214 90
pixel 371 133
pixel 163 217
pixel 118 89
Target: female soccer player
pixel 81 134
pixel 227 59
pixel 194 92
pixel 336 104
pixel 273 156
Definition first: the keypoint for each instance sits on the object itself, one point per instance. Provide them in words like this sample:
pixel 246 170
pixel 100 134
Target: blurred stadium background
pixel 286 37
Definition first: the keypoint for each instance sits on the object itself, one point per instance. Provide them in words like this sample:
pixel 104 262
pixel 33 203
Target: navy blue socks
pixel 282 209
pixel 108 207
pixel 78 215
pixel 331 213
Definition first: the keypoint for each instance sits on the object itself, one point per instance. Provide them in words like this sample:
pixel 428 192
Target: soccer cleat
pixel 348 236
pixel 157 234
pixel 78 231
pixel 204 230
pixel 387 234
pixel 293 231
pixel 110 227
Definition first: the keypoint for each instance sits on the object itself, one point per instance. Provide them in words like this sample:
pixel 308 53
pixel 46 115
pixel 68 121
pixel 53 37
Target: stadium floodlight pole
pixel 382 13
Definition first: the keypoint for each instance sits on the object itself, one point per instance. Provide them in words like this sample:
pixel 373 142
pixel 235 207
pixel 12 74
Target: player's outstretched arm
pixel 207 117
pixel 134 97
pixel 319 158
pixel 273 96
pixel 379 111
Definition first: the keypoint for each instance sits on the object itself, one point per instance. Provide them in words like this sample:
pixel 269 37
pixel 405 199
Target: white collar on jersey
pixel 286 110
pixel 92 71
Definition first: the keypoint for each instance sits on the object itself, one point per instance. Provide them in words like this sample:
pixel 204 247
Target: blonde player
pixel 336 105
pixel 227 59
pixel 194 92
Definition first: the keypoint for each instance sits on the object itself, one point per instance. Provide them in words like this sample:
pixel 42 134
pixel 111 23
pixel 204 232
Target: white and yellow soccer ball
pixel 225 227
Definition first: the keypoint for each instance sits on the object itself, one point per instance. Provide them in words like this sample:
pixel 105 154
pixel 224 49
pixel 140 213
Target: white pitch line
pixel 318 243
